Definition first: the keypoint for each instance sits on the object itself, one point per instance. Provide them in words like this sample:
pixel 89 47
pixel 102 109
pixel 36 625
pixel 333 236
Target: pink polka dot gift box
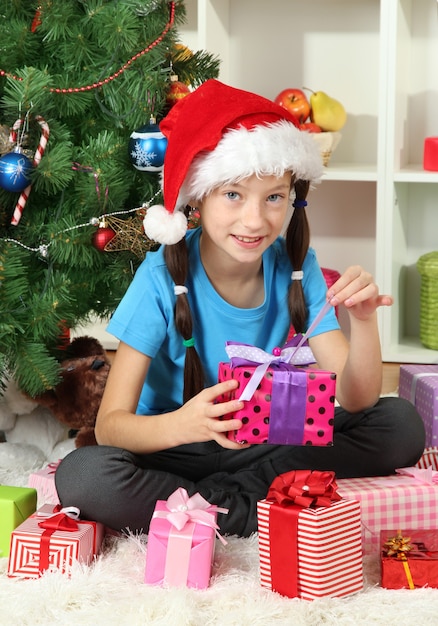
pixel 286 402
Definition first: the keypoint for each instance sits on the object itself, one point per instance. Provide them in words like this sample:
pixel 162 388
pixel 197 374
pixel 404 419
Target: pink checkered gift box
pixel 398 501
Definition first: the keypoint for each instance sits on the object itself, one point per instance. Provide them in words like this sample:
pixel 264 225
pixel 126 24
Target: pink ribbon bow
pixel 426 476
pixel 183 509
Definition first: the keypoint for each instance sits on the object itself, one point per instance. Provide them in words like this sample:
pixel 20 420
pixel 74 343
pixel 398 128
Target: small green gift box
pixel 16 505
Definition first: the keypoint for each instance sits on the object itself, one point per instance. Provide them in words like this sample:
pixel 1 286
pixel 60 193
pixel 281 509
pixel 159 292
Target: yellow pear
pixel 329 114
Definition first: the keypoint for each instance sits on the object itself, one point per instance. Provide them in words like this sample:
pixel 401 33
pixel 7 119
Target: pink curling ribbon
pixel 45 132
pixel 52 467
pixel 426 476
pixel 295 355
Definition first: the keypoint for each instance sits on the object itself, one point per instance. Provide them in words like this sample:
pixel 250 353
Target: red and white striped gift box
pixel 64 548
pixel 329 550
pixel 390 502
pixel 429 458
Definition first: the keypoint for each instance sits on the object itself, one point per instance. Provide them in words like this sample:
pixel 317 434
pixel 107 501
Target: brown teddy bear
pixel 76 399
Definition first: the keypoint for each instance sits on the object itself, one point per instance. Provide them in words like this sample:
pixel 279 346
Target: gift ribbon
pixel 290 493
pixel 398 546
pixel 415 380
pixel 426 476
pixel 243 354
pixel 184 513
pixel 291 392
pixel 63 519
pixel 52 467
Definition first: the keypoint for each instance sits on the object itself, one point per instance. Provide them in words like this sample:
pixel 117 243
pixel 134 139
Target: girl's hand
pixel 200 417
pixel 358 292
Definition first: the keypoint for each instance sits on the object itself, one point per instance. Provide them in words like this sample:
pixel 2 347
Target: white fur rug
pixel 112 592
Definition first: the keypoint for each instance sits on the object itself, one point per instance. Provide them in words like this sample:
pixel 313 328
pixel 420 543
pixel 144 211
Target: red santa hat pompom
pixel 217 135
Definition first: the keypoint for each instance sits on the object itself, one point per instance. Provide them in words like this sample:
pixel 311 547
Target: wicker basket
pixel 327 143
pixel 427 266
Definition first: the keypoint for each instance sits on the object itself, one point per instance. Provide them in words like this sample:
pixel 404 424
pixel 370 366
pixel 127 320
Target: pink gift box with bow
pixel 285 403
pixel 181 541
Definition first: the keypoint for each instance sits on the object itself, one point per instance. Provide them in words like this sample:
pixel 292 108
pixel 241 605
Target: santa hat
pixel 216 135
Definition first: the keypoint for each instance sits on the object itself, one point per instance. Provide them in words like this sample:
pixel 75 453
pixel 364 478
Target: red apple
pixel 311 127
pixel 295 101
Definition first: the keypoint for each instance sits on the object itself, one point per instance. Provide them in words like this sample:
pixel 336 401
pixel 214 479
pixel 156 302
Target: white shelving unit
pixel 376 205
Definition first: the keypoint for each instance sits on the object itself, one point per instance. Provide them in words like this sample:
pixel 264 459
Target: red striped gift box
pixel 329 550
pixel 62 548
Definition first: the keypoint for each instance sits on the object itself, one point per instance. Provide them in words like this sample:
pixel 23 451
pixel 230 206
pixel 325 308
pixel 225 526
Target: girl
pixel 241 161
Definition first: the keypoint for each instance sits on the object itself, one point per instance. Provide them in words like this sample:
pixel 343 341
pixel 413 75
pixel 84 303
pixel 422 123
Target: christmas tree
pixel 78 78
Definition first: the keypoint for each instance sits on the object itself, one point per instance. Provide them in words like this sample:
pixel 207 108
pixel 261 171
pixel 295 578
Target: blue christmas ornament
pixel 14 171
pixel 147 147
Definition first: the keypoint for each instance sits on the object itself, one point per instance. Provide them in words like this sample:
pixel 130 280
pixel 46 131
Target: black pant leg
pixel 120 489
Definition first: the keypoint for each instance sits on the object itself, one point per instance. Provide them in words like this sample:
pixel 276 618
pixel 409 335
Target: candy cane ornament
pixel 45 132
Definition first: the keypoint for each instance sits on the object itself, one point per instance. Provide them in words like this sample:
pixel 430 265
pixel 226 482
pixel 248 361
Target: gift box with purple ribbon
pixel 181 541
pixel 285 403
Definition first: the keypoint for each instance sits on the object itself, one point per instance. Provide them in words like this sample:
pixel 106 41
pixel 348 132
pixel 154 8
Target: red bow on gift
pixel 62 519
pixel 304 488
pixel 59 521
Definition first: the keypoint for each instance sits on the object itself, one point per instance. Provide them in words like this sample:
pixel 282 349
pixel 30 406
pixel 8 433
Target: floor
pixel 391 374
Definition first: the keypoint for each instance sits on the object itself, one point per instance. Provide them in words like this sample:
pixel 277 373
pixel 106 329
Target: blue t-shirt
pixel 144 318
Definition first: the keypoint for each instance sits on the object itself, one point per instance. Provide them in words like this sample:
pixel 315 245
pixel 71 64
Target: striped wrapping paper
pixel 44 482
pixel 329 549
pixel 65 547
pixel 390 502
pixel 429 459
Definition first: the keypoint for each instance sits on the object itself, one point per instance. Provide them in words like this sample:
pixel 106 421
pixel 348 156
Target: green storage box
pixel 427 266
pixel 16 505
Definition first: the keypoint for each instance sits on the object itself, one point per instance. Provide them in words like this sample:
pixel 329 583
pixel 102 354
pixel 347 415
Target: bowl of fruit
pixel 320 114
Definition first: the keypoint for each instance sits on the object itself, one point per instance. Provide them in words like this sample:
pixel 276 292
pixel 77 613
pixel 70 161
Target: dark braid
pixel 297 244
pixel 176 257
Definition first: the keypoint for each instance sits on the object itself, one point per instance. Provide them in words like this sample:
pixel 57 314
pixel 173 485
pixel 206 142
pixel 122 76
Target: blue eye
pixel 232 195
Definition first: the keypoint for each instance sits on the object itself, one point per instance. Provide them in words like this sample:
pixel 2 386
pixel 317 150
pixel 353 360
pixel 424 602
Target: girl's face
pixel 241 220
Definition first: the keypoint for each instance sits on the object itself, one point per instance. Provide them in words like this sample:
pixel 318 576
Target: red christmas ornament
pixel 177 91
pixel 64 336
pixel 102 236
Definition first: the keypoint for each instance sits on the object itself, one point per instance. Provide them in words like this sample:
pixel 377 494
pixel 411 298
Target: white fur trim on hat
pixel 265 150
pixel 164 227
